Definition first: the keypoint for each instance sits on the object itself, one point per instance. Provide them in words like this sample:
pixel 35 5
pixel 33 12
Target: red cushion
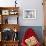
pixel 29 33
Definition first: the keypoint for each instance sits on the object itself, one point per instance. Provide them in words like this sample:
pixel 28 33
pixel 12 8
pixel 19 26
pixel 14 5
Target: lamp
pixel 15 3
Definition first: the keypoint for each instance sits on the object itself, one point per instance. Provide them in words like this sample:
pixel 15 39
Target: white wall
pixel 27 4
pixel 33 4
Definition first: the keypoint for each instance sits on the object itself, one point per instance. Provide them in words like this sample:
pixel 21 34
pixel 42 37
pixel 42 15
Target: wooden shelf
pixel 4 24
pixel 9 43
pixel 9 8
pixel 11 26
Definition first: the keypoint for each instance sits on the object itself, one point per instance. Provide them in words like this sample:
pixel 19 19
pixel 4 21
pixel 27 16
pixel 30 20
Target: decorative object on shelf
pixel 15 34
pixel 13 12
pixel 7 34
pixel 15 37
pixel 5 12
pixel 29 14
pixel 15 30
pixel 6 21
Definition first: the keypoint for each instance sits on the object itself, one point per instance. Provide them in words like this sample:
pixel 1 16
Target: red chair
pixel 29 33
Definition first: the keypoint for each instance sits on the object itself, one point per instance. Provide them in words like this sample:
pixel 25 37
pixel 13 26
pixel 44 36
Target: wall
pixel 33 4
pixel 27 4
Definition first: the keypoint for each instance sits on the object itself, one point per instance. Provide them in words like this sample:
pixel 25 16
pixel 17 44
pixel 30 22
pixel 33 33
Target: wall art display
pixel 29 14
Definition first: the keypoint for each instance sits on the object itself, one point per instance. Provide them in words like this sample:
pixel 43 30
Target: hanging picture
pixel 29 14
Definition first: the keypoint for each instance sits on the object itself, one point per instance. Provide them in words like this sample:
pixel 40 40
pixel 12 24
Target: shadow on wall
pixel 37 29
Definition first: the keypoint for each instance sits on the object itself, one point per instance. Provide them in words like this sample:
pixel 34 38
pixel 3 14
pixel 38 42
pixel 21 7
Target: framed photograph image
pixel 29 14
pixel 5 12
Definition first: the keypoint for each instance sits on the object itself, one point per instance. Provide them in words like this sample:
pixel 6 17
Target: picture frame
pixel 29 14
pixel 5 12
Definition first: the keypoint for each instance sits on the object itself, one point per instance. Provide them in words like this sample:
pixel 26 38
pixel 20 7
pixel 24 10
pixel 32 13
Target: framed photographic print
pixel 5 12
pixel 29 14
